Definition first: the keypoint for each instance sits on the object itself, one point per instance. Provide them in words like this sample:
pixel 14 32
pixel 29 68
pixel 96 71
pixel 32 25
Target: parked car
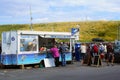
pixel 97 40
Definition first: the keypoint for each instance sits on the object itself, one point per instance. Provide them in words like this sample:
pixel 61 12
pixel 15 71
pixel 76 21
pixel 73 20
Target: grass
pixel 106 30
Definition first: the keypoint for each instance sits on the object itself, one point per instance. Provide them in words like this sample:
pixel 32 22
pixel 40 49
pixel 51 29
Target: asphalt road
pixel 70 72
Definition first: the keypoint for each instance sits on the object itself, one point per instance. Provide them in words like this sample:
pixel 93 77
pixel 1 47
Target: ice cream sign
pixel 74 31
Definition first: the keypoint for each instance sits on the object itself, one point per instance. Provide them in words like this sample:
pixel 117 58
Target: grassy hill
pixel 106 30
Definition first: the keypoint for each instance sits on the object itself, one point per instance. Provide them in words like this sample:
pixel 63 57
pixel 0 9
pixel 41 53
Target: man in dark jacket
pixel 110 54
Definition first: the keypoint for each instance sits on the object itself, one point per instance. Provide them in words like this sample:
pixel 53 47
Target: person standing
pixel 54 50
pixel 101 50
pixel 62 51
pixel 110 54
pixel 83 52
pixel 89 54
pixel 95 49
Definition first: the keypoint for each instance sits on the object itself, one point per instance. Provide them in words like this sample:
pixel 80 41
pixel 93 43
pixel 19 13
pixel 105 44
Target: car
pixel 97 40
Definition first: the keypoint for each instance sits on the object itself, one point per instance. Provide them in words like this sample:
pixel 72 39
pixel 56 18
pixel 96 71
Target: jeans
pixel 63 59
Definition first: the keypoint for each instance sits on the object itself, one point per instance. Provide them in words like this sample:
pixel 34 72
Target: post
pixel 78 27
pixel 31 20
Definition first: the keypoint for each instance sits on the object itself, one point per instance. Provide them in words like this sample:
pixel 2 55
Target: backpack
pixel 101 48
pixel 95 49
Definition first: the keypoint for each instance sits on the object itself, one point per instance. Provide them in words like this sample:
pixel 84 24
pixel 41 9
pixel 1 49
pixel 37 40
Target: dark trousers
pixel 57 61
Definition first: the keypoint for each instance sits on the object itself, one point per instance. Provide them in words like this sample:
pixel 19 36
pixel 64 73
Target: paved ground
pixel 70 72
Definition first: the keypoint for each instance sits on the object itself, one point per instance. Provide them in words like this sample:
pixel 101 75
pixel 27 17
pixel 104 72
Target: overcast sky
pixel 46 11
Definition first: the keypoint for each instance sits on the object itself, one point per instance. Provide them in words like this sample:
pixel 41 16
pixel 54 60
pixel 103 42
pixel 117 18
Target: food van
pixel 31 47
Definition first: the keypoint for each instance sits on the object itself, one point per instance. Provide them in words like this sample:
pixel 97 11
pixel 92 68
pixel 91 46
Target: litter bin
pixel 77 51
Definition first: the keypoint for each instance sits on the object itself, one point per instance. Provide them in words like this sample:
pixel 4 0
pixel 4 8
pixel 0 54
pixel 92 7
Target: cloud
pixel 95 5
pixel 59 10
pixel 40 20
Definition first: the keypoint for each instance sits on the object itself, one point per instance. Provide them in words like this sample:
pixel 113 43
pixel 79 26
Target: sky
pixel 47 11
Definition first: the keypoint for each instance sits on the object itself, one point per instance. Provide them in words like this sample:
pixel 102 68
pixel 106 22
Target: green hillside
pixel 106 30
